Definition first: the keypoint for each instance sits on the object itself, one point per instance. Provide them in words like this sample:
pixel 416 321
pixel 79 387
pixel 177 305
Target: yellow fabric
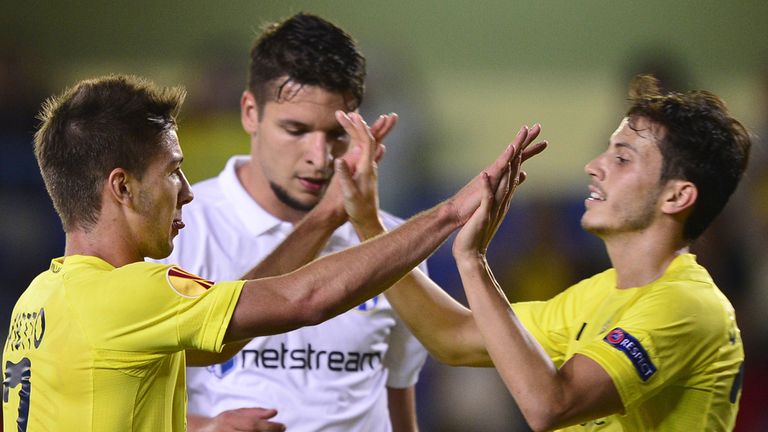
pixel 682 321
pixel 104 345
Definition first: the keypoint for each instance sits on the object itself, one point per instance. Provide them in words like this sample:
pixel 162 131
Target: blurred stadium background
pixel 463 76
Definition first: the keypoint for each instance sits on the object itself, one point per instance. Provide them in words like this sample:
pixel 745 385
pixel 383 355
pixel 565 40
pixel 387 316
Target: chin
pixel 591 227
pixel 161 252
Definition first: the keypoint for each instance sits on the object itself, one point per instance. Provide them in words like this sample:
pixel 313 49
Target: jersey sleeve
pixel 652 343
pixel 159 308
pixel 405 355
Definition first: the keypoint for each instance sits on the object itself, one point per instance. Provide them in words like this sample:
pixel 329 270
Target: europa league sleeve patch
pixel 634 351
pixel 186 284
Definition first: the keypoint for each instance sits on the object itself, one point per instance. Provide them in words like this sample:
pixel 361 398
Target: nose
pixel 592 168
pixel 185 194
pixel 319 152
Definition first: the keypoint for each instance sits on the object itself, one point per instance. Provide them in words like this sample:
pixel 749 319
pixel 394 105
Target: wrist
pixel 330 218
pixel 369 228
pixel 469 259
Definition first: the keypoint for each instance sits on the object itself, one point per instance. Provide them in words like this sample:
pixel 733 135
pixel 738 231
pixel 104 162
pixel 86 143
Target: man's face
pixel 162 192
pixel 293 144
pixel 626 187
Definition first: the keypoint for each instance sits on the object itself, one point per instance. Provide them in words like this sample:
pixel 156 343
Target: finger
pixel 482 212
pixel 377 126
pixel 267 426
pixel 533 133
pixel 502 162
pixel 385 125
pixel 380 150
pixel 254 419
pixel 504 189
pixel 348 187
pixel 535 149
pixel 360 136
pixel 367 142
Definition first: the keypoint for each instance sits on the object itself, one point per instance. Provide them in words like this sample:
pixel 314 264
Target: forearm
pixel 529 374
pixel 443 325
pixel 196 423
pixel 402 409
pixel 335 283
pixel 302 245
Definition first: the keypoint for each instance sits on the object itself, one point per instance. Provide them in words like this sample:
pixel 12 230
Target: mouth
pixel 313 184
pixel 177 224
pixel 595 194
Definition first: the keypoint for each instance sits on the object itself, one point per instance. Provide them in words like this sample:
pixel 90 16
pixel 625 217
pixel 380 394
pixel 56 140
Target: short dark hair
pixel 701 143
pixel 94 127
pixel 307 50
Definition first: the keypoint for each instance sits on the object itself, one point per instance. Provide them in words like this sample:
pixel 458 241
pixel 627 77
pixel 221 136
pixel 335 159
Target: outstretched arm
pixel 547 396
pixel 338 282
pixel 442 324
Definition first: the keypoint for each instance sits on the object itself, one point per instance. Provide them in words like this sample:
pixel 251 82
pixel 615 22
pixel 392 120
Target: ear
pixel 679 196
pixel 249 113
pixel 120 186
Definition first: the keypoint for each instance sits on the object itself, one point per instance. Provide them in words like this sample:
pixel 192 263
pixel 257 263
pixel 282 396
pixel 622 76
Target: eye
pixel 621 160
pixel 294 131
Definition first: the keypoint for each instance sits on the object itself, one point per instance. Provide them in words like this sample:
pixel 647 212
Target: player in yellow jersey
pixel 99 341
pixel 649 345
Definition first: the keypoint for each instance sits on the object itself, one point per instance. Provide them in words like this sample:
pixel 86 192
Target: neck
pixel 640 258
pixel 259 189
pixel 102 243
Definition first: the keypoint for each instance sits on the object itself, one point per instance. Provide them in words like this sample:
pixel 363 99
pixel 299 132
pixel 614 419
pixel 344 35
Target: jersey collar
pixel 251 214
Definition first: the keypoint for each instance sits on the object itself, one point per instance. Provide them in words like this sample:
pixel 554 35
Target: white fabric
pixel 329 377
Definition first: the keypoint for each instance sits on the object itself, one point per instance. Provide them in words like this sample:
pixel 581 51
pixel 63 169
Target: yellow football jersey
pixel 92 347
pixel 672 347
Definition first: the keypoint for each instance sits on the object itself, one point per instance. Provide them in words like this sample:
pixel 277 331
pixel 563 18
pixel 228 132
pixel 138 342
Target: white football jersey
pixel 329 377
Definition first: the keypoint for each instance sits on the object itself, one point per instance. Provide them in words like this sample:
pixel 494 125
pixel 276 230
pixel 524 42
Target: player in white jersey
pixel 333 376
pixel 353 373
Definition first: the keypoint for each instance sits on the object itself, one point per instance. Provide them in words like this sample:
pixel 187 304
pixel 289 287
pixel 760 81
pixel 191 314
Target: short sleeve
pixel 157 308
pixel 405 355
pixel 650 345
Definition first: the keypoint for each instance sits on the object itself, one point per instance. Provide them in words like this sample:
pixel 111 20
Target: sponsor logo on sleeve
pixel 222 369
pixel 634 351
pixel 185 283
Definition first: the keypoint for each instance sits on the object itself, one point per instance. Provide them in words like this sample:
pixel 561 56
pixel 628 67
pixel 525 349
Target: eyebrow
pixel 292 123
pixel 295 123
pixel 176 160
pixel 624 145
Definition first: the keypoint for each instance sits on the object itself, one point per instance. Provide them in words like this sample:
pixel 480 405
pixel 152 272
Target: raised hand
pixel 467 200
pixel 474 237
pixel 240 420
pixel 359 184
pixel 333 200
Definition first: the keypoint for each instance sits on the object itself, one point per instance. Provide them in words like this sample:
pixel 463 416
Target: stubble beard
pixel 288 200
pixel 636 220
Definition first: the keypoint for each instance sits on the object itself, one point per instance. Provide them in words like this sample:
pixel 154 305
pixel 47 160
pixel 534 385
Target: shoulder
pixel 141 272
